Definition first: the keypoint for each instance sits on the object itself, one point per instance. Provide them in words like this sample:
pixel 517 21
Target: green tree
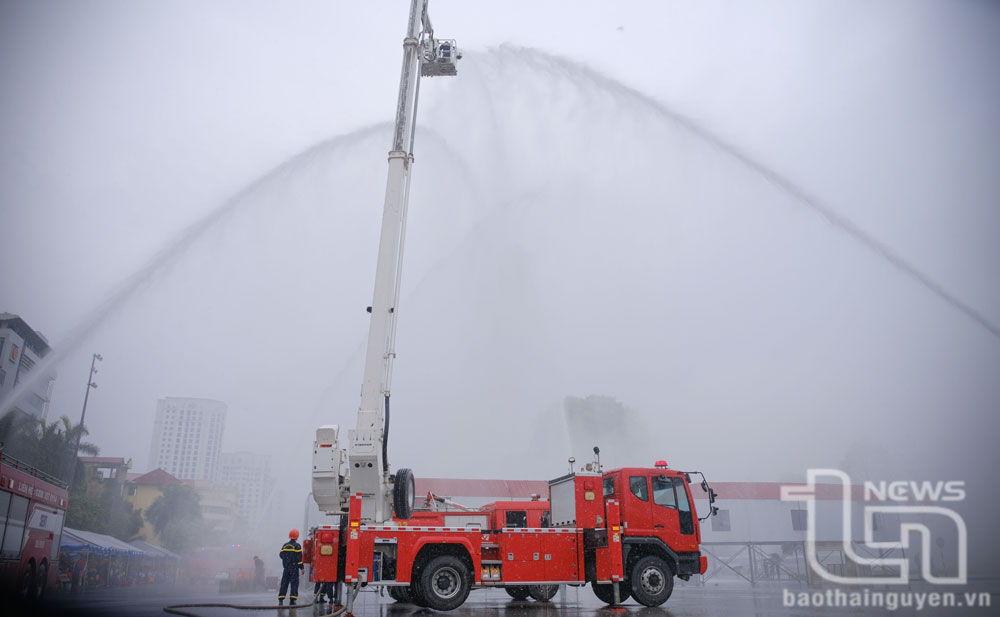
pixel 85 513
pixel 176 518
pixel 48 446
pixel 57 446
pixel 108 514
pixel 123 521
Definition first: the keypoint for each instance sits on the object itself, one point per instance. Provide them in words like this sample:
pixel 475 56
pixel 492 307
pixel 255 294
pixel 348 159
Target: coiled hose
pixel 174 609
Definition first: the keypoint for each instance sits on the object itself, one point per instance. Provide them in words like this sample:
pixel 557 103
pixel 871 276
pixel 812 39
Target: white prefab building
pixel 187 437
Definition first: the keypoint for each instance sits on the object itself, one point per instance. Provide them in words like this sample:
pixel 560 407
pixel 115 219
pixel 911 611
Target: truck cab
pixel 658 517
pixel 653 518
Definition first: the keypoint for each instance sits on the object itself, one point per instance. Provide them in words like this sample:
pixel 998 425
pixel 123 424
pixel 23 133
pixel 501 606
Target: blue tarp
pixel 152 549
pixel 75 540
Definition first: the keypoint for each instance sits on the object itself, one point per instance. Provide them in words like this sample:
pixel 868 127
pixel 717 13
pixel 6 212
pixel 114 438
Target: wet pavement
pixel 687 601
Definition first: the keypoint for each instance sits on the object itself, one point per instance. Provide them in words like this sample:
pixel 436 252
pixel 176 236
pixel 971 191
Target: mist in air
pixel 649 227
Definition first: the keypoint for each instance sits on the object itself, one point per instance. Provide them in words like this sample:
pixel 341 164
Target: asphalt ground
pixel 687 601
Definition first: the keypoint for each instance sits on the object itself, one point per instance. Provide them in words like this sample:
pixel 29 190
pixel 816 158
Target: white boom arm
pixel 368 470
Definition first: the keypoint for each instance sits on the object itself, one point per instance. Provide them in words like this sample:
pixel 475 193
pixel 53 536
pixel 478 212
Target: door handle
pixel 657 526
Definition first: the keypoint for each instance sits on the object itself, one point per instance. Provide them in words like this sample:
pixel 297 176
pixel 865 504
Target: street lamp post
pixel 83 415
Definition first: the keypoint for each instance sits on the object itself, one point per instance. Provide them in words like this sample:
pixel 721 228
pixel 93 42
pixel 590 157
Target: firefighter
pixel 291 564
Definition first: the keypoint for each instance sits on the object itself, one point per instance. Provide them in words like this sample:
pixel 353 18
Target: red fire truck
pixel 626 532
pixel 32 509
pixel 633 529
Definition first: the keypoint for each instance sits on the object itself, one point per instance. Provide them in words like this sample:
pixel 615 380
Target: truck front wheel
pixel 445 583
pixel 417 594
pixel 652 581
pixel 605 592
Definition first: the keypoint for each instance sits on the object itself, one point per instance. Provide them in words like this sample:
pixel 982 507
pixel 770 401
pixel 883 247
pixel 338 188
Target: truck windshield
pixel 686 519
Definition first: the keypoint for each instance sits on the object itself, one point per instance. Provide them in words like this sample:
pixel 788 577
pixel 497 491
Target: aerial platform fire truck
pixel 626 532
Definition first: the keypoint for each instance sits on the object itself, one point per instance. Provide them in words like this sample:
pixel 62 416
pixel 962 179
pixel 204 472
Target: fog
pixel 768 232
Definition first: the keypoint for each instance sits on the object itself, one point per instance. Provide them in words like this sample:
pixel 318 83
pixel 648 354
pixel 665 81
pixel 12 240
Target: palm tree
pixel 50 447
pixel 57 443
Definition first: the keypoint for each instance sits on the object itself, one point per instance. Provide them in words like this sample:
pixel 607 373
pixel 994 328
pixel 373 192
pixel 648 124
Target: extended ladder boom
pixel 368 469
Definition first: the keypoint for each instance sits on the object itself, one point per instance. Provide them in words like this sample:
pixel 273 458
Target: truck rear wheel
pixel 403 494
pixel 400 593
pixel 605 592
pixel 518 592
pixel 445 583
pixel 543 593
pixel 41 580
pixel 26 590
pixel 652 581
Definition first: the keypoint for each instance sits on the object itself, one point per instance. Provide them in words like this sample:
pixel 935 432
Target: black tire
pixel 400 594
pixel 652 581
pixel 445 583
pixel 518 592
pixel 543 593
pixel 416 593
pixel 605 592
pixel 41 580
pixel 26 590
pixel 403 494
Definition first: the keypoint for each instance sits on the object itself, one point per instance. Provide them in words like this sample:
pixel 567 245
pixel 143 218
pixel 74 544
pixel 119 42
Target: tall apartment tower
pixel 250 474
pixel 187 436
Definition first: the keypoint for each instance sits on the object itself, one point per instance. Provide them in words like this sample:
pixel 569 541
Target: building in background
pixel 217 503
pixel 187 435
pixel 21 349
pixel 98 475
pixel 141 490
pixel 250 474
pixel 218 509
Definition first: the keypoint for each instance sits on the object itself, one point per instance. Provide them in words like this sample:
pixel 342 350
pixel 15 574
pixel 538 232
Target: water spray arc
pixel 551 63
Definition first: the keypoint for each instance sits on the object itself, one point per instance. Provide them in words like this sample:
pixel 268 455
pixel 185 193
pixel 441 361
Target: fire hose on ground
pixel 174 609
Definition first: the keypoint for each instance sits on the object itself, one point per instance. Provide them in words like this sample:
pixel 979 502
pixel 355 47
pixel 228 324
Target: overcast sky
pixel 568 236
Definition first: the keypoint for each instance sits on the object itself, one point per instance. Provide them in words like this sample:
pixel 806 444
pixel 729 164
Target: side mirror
pixel 704 485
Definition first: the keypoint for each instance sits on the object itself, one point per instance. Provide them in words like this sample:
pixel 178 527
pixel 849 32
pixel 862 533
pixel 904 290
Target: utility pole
pixel 83 415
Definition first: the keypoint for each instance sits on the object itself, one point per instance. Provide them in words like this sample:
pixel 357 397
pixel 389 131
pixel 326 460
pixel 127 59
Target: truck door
pixel 664 509
pixel 636 506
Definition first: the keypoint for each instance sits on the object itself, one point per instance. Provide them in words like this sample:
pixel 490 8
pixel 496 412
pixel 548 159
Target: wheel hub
pixel 446 582
pixel 652 580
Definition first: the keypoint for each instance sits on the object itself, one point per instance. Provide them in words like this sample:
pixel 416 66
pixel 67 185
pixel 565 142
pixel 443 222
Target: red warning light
pixel 660 464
